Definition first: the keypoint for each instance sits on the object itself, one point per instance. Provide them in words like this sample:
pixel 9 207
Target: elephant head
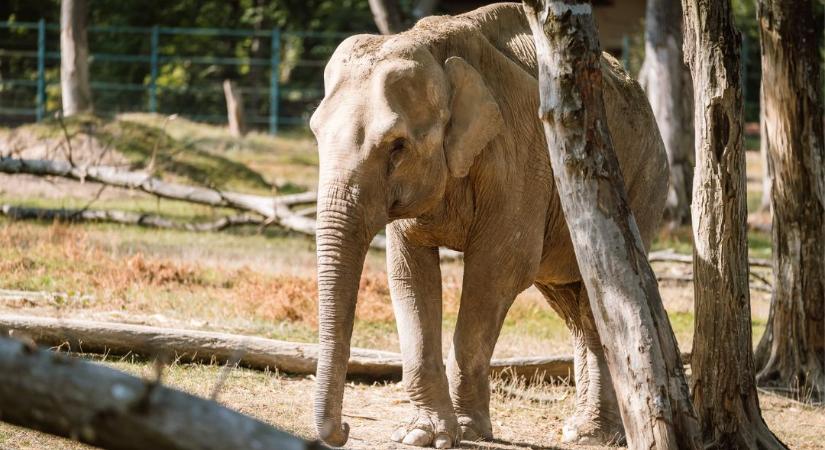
pixel 393 126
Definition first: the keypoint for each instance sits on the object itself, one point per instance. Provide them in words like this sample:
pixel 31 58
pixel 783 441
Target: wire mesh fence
pixel 175 70
pixel 169 70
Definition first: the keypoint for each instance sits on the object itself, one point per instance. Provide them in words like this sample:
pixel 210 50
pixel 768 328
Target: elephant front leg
pixel 415 287
pixel 597 420
pixel 486 297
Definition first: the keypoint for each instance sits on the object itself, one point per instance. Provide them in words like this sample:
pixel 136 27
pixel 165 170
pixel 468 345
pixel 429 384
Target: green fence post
pixel 153 82
pixel 41 70
pixel 274 80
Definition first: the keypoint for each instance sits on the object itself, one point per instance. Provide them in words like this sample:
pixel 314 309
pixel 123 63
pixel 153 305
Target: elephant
pixel 433 135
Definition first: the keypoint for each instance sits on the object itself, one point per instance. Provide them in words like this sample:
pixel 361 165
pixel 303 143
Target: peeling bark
pixel 723 384
pixel 791 353
pixel 641 351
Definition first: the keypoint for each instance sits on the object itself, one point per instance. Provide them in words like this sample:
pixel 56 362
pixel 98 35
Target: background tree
pixel 74 58
pixel 666 81
pixel 723 384
pixel 791 353
pixel 387 16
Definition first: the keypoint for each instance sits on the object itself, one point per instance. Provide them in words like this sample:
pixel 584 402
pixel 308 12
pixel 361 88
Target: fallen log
pixel 249 351
pixel 125 218
pixel 104 407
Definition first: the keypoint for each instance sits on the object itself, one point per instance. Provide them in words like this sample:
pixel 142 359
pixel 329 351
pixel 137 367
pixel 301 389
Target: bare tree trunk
pixel 424 8
pixel 234 108
pixel 74 58
pixel 110 409
pixel 724 388
pixel 641 351
pixel 791 353
pixel 387 16
pixel 666 80
pixel 767 173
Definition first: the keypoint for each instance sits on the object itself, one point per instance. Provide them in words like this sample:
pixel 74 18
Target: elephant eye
pixel 397 145
pixel 396 150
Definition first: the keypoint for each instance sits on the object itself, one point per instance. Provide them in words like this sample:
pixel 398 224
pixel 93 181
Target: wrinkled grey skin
pixel 434 134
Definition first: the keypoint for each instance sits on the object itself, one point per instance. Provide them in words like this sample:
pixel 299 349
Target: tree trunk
pixel 110 409
pixel 641 351
pixel 424 8
pixel 234 109
pixel 791 353
pixel 74 58
pixel 666 80
pixel 387 16
pixel 767 174
pixel 724 389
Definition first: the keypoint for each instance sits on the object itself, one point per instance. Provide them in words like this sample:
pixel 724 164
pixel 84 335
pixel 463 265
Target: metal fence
pixel 171 70
pixel 279 73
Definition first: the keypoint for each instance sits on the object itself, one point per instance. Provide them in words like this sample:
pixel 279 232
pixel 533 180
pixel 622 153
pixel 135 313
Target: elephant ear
pixel 475 118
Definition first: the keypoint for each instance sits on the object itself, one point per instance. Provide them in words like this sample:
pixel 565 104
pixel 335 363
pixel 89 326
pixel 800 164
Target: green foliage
pixel 188 88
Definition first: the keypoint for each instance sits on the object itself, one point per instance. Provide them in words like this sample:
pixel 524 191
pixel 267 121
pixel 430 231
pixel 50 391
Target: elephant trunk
pixel 342 246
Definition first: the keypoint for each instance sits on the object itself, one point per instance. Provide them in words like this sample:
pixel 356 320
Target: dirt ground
pixel 262 282
pixel 374 410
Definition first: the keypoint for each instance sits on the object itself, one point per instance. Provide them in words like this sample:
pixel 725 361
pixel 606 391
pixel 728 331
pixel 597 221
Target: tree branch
pixel 108 408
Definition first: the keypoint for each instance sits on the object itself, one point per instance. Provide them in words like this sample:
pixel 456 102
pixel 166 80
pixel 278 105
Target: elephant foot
pixel 474 429
pixel 429 430
pixel 592 429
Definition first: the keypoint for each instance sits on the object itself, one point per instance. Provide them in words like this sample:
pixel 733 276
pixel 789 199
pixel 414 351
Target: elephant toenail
pixel 418 437
pixel 442 440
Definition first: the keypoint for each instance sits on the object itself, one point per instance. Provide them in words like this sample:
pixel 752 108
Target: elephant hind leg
pixel 597 419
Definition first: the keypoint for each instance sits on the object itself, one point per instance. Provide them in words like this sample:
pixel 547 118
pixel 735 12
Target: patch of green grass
pixel 683 324
pixel 288 161
pixel 140 143
pixel 752 142
pixel 681 241
pixel 759 244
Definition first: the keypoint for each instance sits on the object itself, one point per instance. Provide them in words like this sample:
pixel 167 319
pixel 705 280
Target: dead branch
pixel 673 257
pixel 266 206
pixel 110 409
pixel 247 351
pixel 125 218
pixel 766 287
